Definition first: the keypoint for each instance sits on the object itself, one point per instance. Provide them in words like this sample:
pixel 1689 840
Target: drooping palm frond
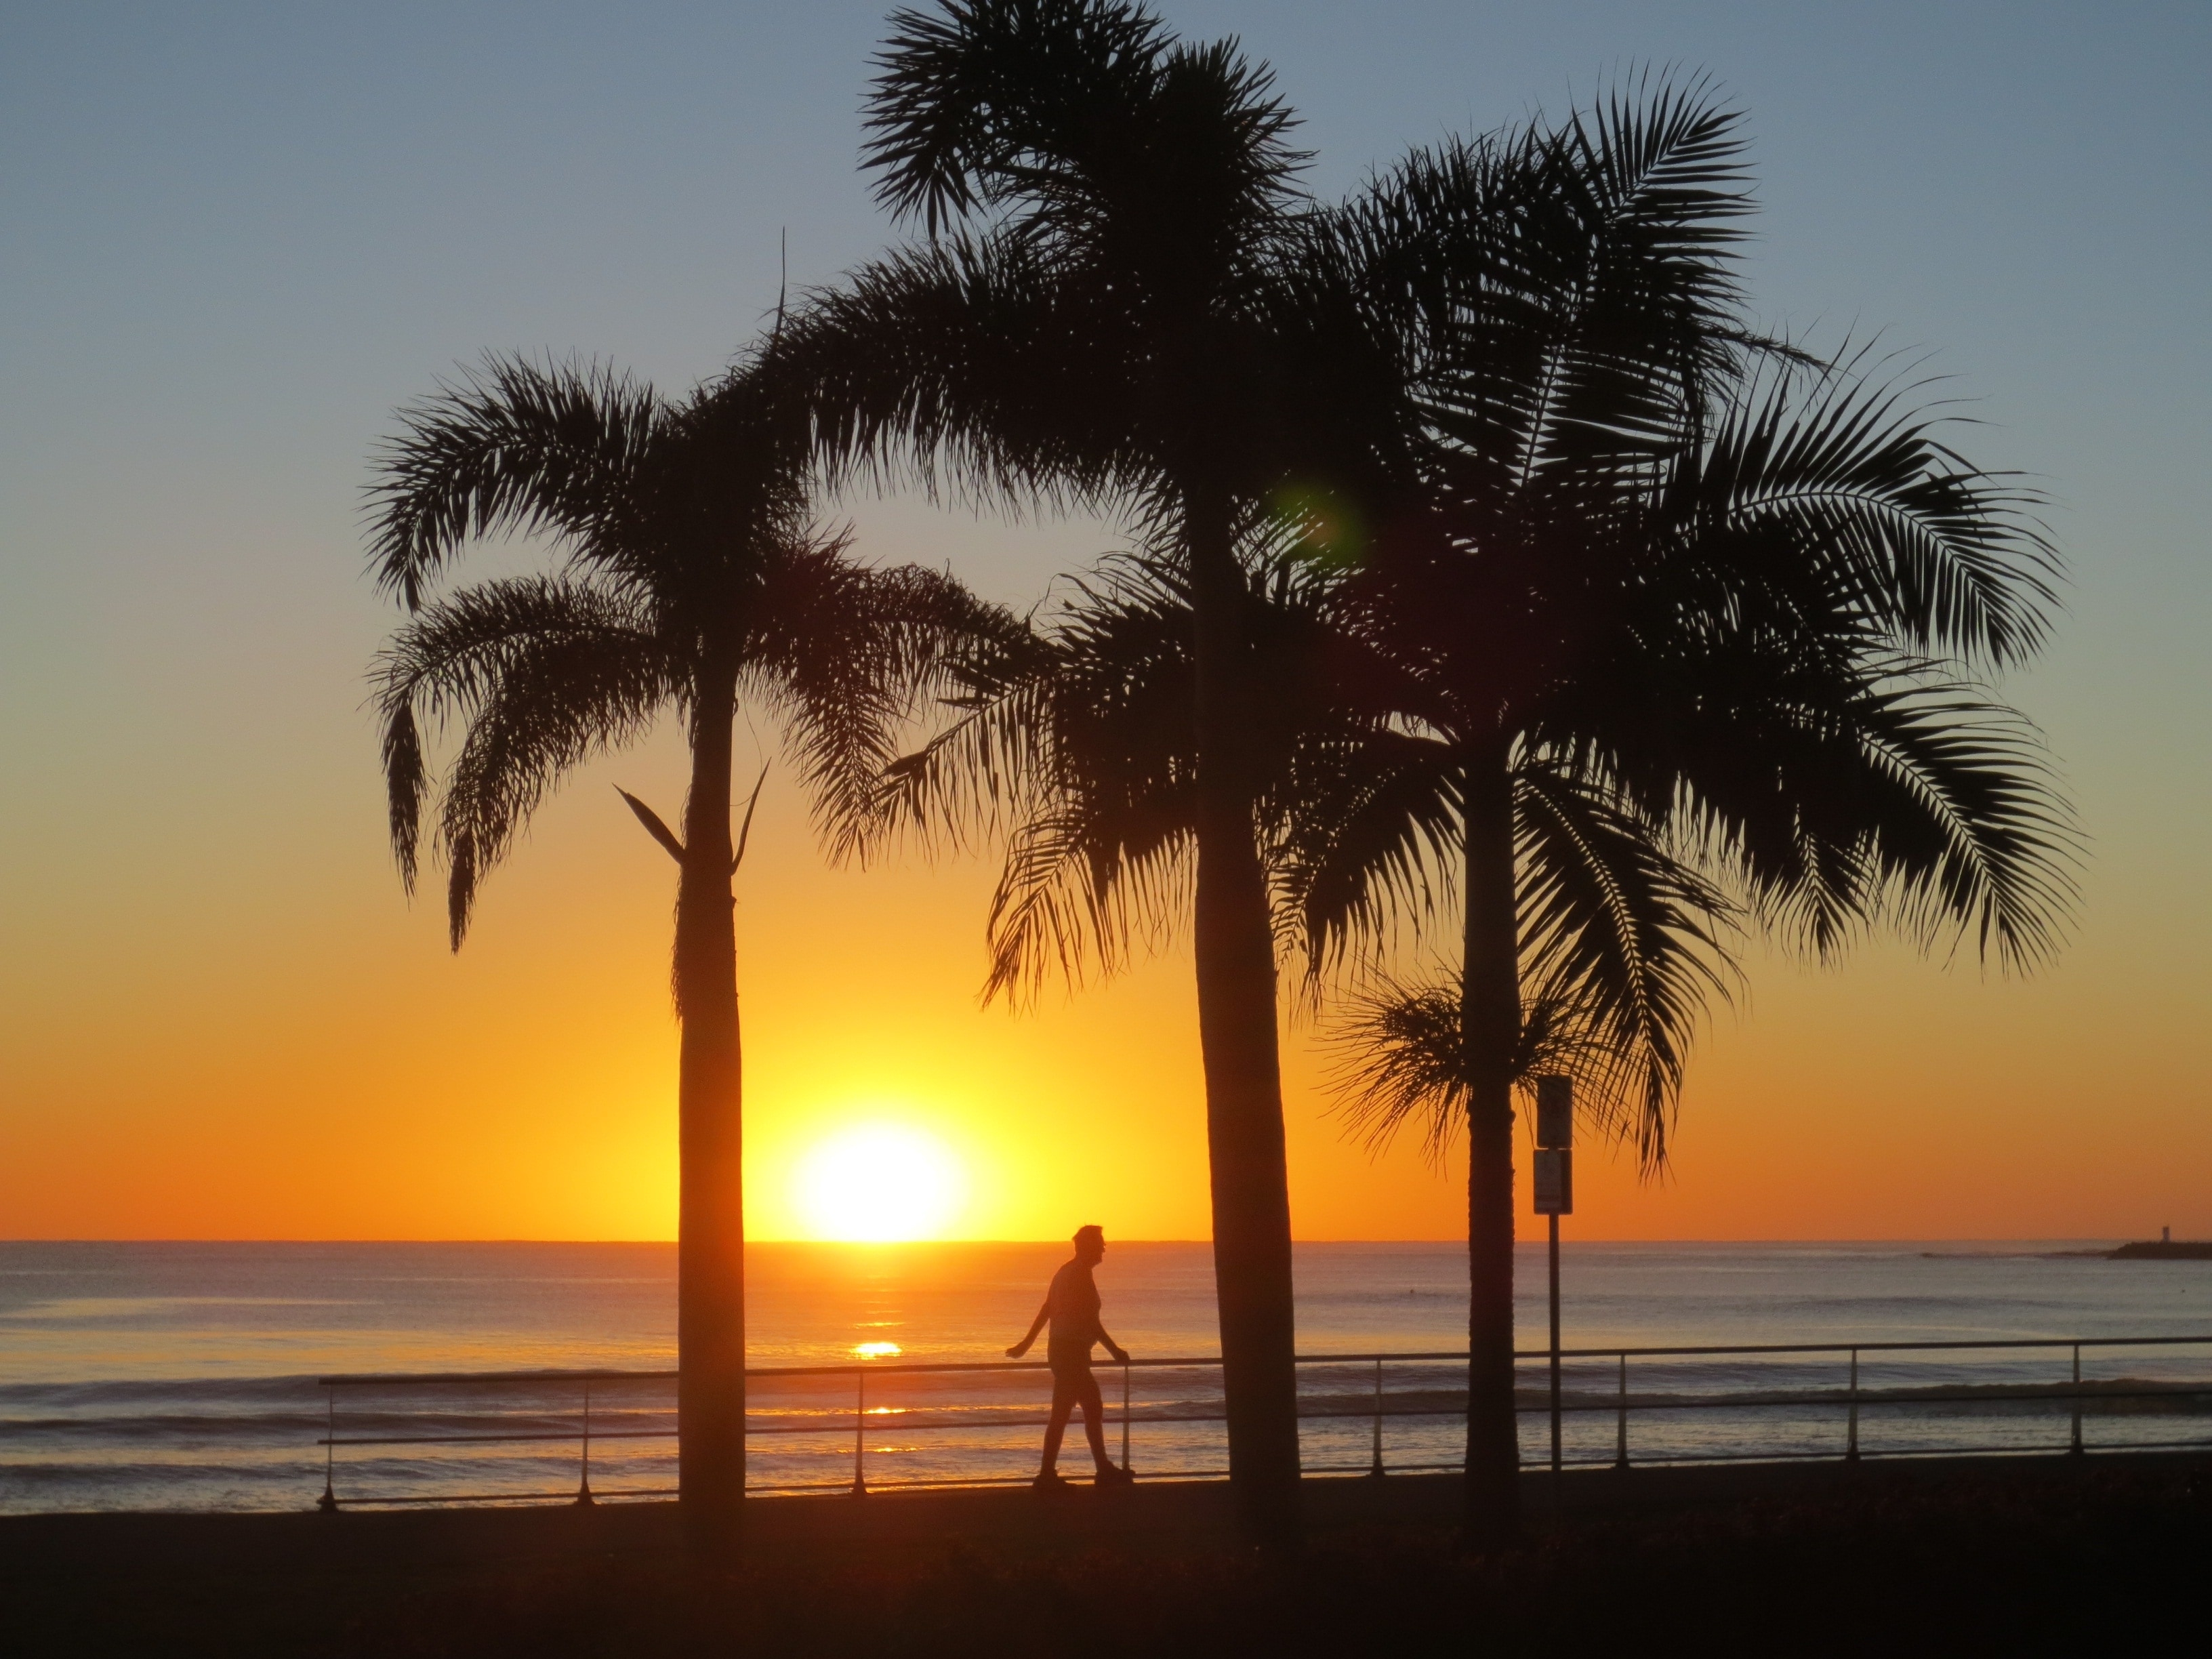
pixel 1097 867
pixel 512 446
pixel 1967 833
pixel 1079 899
pixel 1625 942
pixel 1622 945
pixel 542 673
pixel 969 367
pixel 1878 797
pixel 1368 840
pixel 846 654
pixel 1400 1063
pixel 1071 738
pixel 1845 479
pixel 1759 679
pixel 1401 1060
pixel 985 769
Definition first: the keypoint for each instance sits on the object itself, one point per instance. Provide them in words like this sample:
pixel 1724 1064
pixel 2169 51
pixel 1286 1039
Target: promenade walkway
pixel 1168 1516
pixel 2012 1554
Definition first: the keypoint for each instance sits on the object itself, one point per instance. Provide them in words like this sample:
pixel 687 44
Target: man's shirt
pixel 1073 1300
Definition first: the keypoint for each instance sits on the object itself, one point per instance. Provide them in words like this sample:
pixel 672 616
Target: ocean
pixel 183 1375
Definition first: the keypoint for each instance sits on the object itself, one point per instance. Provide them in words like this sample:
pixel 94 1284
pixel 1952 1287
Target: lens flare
pixel 880 1183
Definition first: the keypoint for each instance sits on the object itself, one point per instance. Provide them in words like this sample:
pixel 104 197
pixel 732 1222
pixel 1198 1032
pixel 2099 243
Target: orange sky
pixel 290 1052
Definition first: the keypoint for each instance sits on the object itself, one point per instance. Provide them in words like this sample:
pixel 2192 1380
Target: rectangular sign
pixel 1555 1181
pixel 1555 1112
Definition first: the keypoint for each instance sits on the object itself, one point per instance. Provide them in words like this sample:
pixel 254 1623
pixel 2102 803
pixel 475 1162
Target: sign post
pixel 1555 1197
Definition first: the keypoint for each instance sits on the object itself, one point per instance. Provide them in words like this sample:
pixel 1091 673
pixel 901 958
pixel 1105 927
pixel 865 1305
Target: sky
pixel 235 238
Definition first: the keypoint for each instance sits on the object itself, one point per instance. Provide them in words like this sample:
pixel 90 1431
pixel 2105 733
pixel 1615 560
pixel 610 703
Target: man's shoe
pixel 1048 1481
pixel 1110 1476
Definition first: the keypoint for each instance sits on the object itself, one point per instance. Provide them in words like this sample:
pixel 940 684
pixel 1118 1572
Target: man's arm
pixel 1121 1355
pixel 1035 1325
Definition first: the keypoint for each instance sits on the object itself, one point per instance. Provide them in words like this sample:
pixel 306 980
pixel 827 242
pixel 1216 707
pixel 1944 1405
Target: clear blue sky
pixel 234 237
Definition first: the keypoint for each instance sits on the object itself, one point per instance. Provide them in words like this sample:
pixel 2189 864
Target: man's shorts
pixel 1069 1360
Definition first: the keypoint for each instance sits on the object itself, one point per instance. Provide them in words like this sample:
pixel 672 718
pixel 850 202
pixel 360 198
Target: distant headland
pixel 2164 1249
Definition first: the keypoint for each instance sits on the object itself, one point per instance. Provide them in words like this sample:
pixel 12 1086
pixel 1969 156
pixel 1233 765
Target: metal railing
pixel 1375 1403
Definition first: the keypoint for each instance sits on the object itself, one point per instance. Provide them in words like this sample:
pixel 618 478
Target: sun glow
pixel 879 1183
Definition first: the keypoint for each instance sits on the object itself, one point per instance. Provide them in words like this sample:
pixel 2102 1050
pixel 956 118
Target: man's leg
pixel 1063 1397
pixel 1094 1424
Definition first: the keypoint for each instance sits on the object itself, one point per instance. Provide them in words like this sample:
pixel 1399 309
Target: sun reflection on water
pixel 877 1350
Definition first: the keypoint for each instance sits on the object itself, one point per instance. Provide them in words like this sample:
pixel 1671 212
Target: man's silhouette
pixel 1071 1307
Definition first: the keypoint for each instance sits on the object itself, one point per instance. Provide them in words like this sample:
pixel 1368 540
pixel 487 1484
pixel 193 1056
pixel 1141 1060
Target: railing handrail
pixel 1996 1395
pixel 875 1368
pixel 1741 1392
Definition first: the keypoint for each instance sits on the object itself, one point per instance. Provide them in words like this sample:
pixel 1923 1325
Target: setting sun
pixel 879 1183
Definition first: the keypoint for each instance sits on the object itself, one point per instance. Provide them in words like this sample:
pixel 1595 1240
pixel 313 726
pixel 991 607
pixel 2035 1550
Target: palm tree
pixel 1664 618
pixel 688 579
pixel 1108 212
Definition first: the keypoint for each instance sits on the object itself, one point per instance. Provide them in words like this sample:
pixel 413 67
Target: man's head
pixel 1090 1244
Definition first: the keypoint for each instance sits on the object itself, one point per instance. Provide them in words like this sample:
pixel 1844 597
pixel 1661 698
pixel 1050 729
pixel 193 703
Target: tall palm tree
pixel 1651 597
pixel 688 579
pixel 1108 210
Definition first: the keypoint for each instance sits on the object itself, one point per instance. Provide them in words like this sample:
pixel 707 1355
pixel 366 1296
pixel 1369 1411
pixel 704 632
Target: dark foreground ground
pixel 2013 1556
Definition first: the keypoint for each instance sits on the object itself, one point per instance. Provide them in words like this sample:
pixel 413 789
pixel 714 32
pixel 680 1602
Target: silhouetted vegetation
pixel 1502 595
pixel 1531 572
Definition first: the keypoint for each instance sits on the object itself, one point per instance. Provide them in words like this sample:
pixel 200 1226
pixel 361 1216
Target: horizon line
pixel 897 1244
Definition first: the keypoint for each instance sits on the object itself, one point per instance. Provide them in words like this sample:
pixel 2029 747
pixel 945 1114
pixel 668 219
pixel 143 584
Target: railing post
pixel 584 1484
pixel 860 1434
pixel 1851 1435
pixel 1557 1459
pixel 328 1502
pixel 1620 1445
pixel 1375 1468
pixel 1125 1417
pixel 2077 1448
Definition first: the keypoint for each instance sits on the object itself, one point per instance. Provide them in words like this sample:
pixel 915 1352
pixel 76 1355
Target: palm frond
pixel 846 654
pixel 512 447
pixel 986 768
pixel 1402 1060
pixel 968 366
pixel 542 673
pixel 1078 897
pixel 969 101
pixel 1370 838
pixel 1854 482
pixel 1400 1063
pixel 1623 941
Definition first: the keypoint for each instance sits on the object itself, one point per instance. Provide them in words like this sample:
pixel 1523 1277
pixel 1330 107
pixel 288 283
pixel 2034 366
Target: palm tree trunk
pixel 1490 1014
pixel 710 1294
pixel 1235 961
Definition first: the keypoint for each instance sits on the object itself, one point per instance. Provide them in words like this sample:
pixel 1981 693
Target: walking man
pixel 1071 1307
